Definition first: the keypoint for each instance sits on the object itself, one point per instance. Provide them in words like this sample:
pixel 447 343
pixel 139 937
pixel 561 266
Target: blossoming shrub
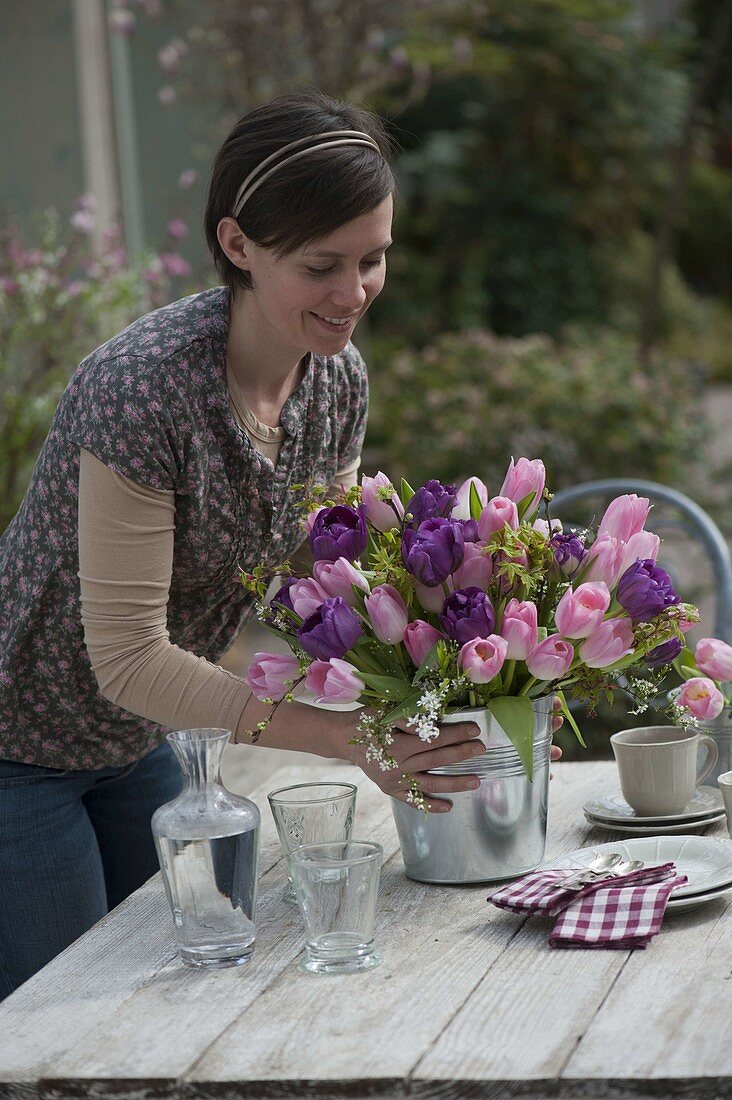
pixel 466 401
pixel 58 301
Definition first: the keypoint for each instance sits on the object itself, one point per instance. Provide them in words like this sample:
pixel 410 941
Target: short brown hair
pixel 309 197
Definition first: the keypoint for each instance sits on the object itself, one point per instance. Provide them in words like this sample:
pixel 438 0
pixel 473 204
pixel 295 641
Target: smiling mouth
pixel 335 324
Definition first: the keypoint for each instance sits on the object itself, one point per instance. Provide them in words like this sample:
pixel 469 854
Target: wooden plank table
pixel 469 1001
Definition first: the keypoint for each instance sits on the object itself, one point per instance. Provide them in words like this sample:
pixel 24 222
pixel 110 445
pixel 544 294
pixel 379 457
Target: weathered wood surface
pixel 468 1002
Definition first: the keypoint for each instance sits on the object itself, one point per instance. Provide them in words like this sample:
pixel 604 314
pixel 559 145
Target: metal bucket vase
pixel 495 832
pixel 720 729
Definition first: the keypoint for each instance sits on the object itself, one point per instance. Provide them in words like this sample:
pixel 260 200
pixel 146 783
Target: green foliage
pixel 468 401
pixel 58 301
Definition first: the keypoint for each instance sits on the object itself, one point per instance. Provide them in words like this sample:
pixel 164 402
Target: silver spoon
pixel 600 865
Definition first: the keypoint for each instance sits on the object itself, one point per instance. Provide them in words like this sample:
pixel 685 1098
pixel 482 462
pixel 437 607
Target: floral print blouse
pixel 152 404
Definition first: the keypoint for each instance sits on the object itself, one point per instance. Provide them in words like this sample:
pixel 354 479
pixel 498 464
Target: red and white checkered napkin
pixel 612 912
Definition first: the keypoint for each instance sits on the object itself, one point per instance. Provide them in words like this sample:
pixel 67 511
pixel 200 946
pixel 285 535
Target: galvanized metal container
pixel 496 832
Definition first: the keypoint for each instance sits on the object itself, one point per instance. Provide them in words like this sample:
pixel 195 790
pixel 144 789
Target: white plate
pixel 681 905
pixel 654 830
pixel 705 860
pixel 613 807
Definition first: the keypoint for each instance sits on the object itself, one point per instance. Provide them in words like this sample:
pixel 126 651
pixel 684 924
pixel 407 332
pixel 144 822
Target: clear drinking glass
pixel 337 886
pixel 312 813
pixel 207 840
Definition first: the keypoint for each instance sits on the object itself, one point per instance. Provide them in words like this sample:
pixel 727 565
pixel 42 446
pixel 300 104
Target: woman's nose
pixel 350 294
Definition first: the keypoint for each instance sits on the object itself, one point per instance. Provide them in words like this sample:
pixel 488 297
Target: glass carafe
pixel 207 841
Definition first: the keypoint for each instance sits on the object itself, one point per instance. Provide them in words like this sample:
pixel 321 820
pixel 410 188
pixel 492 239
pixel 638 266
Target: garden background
pixel 561 281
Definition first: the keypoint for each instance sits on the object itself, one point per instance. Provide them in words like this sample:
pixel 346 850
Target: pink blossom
pixel 8 286
pixel 548 528
pixel 482 658
pixel 581 610
pixel 380 512
pixel 270 675
pixel 334 681
pixel 431 599
pixel 419 637
pixel 624 516
pixel 175 265
pixel 310 517
pixel 477 567
pixel 550 659
pixel 519 628
pixel 337 578
pixel 187 178
pixel 177 229
pixel 121 21
pixel 498 512
pixel 612 641
pixel 524 477
pixel 84 221
pixel 167 95
pixel 307 596
pixel 643 544
pixel 388 614
pixel 714 658
pixel 462 508
pixel 604 558
pixel 701 697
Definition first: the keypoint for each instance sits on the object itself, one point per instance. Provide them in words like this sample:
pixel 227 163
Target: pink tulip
pixel 338 578
pixel 604 558
pixel 548 529
pixel 519 628
pixel 612 640
pixel 388 614
pixel 522 478
pixel 307 596
pixel 550 659
pixel 462 508
pixel 477 567
pixel 419 637
pixel 482 658
pixel 380 512
pixel 624 516
pixel 310 517
pixel 643 544
pixel 270 675
pixel 334 681
pixel 431 599
pixel 701 697
pixel 498 512
pixel 581 610
pixel 714 658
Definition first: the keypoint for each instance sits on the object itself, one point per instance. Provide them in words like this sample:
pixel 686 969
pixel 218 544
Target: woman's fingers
pixel 556 752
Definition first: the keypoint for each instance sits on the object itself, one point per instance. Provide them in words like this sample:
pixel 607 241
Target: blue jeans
pixel 73 844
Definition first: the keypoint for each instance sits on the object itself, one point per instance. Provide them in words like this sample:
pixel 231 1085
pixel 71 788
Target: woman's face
pixel 312 299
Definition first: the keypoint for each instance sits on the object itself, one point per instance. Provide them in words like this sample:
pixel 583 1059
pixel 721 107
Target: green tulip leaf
pixel 475 505
pixel 406 492
pixel 515 715
pixel 388 687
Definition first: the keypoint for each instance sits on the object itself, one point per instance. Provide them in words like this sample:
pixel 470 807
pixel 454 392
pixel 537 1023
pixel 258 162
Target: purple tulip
pixel 470 529
pixel 644 590
pixel 330 631
pixel 282 597
pixel 664 654
pixel 339 532
pixel 468 614
pixel 432 500
pixel 569 552
pixel 434 550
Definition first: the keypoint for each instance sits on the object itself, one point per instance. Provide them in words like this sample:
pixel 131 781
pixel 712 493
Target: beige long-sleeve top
pixel 126 534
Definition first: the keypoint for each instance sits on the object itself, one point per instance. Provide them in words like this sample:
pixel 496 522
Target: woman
pixel 168 465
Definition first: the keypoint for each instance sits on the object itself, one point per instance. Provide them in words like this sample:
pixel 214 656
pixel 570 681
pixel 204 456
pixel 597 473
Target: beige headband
pixel 343 137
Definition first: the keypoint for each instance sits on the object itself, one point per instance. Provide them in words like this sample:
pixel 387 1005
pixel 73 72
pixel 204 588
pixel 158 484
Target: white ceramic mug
pixel 725 785
pixel 658 767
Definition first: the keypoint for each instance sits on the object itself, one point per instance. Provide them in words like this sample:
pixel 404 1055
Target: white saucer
pixel 704 801
pixel 681 905
pixel 705 860
pixel 639 829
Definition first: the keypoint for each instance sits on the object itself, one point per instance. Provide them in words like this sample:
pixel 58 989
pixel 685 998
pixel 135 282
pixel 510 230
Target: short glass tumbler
pixel 312 813
pixel 207 840
pixel 337 887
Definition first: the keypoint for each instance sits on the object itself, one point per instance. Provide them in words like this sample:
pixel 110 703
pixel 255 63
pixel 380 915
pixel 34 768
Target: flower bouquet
pixel 420 604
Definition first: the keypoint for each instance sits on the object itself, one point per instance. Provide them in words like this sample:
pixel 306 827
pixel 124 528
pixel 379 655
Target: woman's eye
pixel 325 270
